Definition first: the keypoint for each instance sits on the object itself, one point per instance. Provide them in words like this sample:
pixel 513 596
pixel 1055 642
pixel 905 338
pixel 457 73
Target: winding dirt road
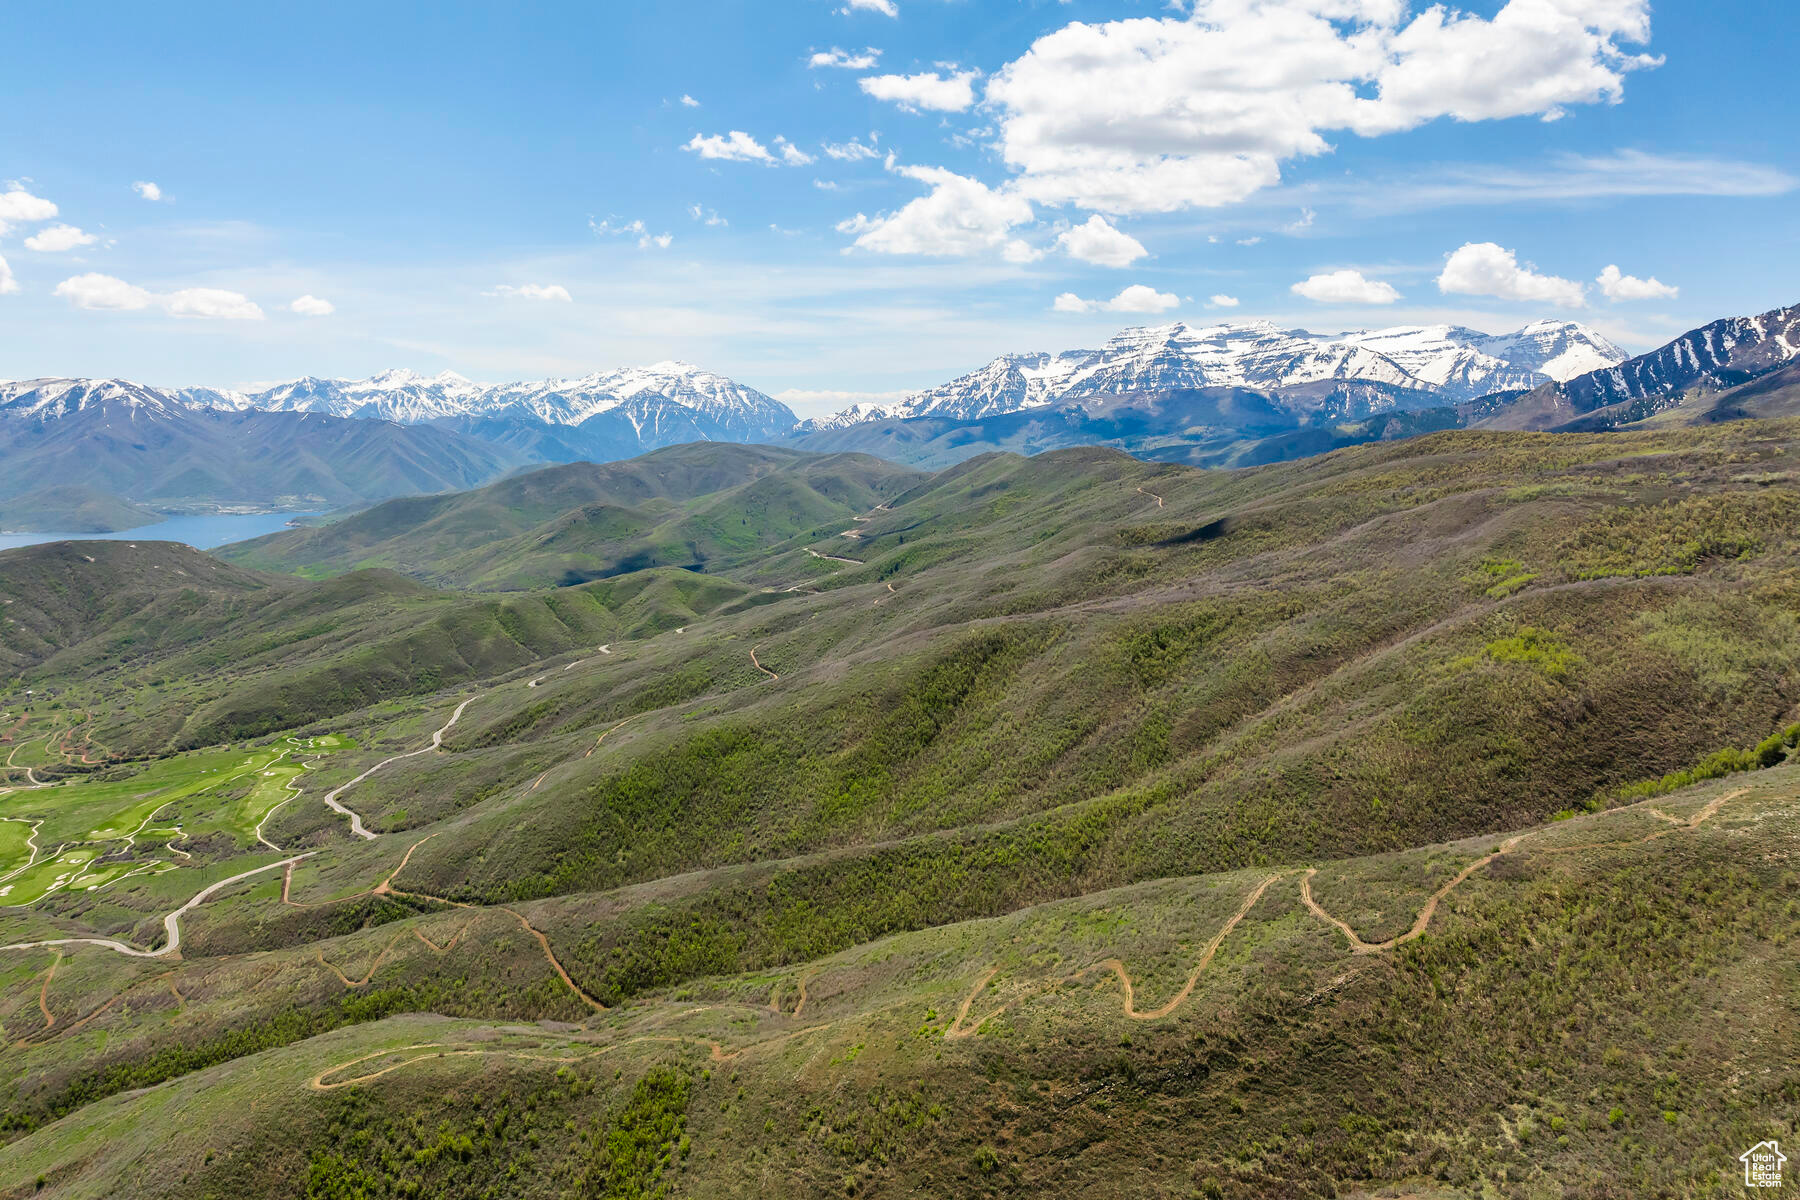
pixel 437 740
pixel 1153 496
pixel 606 649
pixel 757 663
pixel 171 923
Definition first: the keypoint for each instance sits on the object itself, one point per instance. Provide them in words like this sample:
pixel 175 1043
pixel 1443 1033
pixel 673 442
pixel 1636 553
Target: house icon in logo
pixel 1762 1165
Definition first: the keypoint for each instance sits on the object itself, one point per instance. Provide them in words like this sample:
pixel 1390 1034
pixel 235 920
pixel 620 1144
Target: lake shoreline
pixel 207 531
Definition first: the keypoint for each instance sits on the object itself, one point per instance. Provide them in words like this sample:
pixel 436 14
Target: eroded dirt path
pixel 957 1029
pixel 437 741
pixel 608 733
pixel 44 992
pixel 799 1006
pixel 1206 957
pixel 606 649
pixel 1358 946
pixel 962 1026
pixel 757 663
pixel 1152 495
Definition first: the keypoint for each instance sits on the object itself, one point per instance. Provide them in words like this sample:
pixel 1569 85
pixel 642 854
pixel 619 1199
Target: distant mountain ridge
pixel 1227 394
pixel 1154 392
pixel 1424 365
pixel 1716 357
pixel 669 397
pixel 145 450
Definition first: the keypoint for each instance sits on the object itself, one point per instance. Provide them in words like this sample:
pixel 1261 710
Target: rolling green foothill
pixel 1418 819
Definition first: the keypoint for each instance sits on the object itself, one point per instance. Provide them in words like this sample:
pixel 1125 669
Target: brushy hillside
pixel 1590 1009
pixel 881 859
pixel 697 507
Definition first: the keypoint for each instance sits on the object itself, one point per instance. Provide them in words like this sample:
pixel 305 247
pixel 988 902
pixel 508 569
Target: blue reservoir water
pixel 202 533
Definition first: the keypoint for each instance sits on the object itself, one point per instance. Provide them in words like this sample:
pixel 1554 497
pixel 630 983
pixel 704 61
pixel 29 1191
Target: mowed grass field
pixel 87 833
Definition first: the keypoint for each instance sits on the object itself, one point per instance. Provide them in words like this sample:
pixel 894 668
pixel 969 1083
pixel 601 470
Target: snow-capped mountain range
pixel 681 399
pixel 1445 362
pixel 653 405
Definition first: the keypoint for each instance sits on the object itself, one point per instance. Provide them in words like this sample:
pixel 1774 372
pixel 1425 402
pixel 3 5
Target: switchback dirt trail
pixel 437 741
pixel 961 1027
pixel 1358 946
pixel 1212 948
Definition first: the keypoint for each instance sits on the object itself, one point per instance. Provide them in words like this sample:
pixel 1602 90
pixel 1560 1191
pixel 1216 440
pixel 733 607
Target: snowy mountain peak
pixel 646 407
pixel 1445 362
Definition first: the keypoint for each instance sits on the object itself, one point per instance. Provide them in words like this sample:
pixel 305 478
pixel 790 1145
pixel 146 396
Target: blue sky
pixel 547 189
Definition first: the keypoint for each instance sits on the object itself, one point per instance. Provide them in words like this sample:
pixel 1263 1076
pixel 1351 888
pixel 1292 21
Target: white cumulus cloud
pixel 212 303
pixel 845 59
pixel 851 151
pixel 534 291
pixel 53 239
pixel 791 154
pixel 688 101
pixel 1100 243
pixel 147 190
pixel 886 8
pixel 736 146
pixel 937 93
pixel 1221 300
pixel 960 216
pixel 1345 287
pixel 110 294
pixel 1138 298
pixel 19 205
pixel 104 292
pixel 312 306
pixel 1160 114
pixel 1619 286
pixel 8 284
pixel 1487 269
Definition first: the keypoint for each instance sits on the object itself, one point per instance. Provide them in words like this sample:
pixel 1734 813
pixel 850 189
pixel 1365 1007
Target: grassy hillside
pixel 154 646
pixel 696 507
pixel 72 509
pixel 880 858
